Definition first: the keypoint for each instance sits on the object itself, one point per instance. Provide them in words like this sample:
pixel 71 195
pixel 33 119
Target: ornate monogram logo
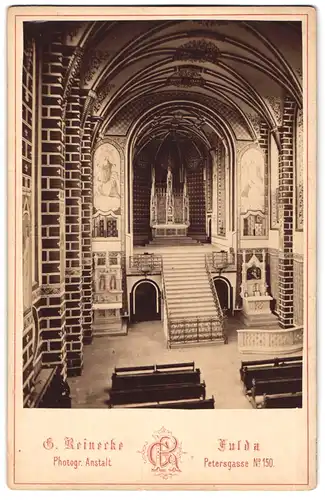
pixel 164 454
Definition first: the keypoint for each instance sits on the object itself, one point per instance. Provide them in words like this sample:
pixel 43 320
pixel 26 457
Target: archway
pixel 224 292
pixel 145 301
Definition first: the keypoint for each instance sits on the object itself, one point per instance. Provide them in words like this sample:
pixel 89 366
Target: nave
pixel 145 343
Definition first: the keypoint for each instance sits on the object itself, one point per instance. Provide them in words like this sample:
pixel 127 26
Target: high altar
pixel 169 206
pixel 256 299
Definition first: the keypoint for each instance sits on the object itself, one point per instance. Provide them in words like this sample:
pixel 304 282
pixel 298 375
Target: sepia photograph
pixel 163 216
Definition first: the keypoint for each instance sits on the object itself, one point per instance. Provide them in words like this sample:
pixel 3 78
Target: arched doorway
pixel 224 292
pixel 145 301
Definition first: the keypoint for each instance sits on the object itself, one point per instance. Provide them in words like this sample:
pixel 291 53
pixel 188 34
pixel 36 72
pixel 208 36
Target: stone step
pixel 208 310
pixel 182 303
pixel 191 314
pixel 183 289
pixel 199 253
pixel 183 295
pixel 190 294
pixel 189 272
pixel 178 280
pixel 186 280
pixel 199 310
pixel 183 265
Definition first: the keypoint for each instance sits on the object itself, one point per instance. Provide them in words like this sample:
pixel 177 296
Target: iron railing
pixel 219 310
pixel 220 260
pixel 195 330
pixel 145 263
pixel 166 313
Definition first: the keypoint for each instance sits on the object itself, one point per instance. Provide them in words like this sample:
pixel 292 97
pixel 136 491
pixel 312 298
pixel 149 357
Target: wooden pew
pixel 276 386
pixel 170 366
pixel 192 404
pixel 157 393
pixel 144 376
pixel 268 372
pixel 54 393
pixel 272 361
pixel 282 401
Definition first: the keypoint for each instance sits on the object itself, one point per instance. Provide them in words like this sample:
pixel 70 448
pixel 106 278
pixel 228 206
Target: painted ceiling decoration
pixel 230 75
pixel 198 50
pixel 186 77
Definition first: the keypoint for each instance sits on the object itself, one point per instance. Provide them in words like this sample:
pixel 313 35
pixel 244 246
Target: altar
pixel 169 206
pixel 254 292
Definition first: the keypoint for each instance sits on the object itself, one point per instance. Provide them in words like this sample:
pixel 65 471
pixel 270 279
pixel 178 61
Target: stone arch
pixel 224 292
pixel 145 301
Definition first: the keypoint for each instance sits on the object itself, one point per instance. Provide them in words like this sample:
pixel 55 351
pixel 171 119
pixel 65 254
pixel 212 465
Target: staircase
pixel 187 285
pixel 193 313
pixel 175 241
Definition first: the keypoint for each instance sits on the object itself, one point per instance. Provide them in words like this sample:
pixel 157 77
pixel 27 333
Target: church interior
pixel 162 214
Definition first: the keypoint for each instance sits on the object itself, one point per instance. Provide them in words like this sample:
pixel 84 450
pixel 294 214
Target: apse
pixel 170 188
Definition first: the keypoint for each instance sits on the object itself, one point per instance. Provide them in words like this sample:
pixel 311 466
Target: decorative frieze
pixel 95 58
pixel 276 104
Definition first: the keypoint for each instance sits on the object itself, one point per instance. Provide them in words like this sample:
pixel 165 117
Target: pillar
pixel 73 270
pixel 286 193
pixel 86 242
pixel 52 311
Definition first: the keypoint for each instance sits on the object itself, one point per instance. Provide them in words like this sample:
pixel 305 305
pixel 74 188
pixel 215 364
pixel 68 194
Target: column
pixel 86 217
pixel 73 271
pixel 286 193
pixel 52 311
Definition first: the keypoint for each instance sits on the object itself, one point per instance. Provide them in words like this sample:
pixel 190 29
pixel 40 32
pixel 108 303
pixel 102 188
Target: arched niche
pixel 225 293
pixel 145 301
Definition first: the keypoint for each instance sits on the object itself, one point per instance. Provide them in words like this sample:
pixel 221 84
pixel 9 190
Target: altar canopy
pixel 169 206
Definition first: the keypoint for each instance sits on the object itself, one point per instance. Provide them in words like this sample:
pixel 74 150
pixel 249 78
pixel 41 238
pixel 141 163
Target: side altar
pixel 254 292
pixel 169 207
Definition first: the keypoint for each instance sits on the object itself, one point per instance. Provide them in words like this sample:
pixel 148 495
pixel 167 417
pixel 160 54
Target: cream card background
pixel 286 436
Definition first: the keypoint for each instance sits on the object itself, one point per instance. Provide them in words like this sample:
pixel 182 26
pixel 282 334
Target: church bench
pixel 191 404
pixel 272 362
pixel 152 368
pixel 127 369
pixel 276 386
pixel 269 373
pixel 157 393
pixel 282 401
pixel 134 380
pixel 53 391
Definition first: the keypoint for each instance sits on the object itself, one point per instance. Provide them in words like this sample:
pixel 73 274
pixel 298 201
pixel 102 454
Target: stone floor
pixel 146 344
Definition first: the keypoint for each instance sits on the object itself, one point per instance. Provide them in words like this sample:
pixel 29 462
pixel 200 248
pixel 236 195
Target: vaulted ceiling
pixel 193 77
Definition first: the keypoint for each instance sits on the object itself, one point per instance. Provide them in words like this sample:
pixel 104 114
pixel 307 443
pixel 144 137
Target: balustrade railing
pixel 275 341
pixel 219 310
pixel 195 330
pixel 166 312
pixel 220 260
pixel 145 264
